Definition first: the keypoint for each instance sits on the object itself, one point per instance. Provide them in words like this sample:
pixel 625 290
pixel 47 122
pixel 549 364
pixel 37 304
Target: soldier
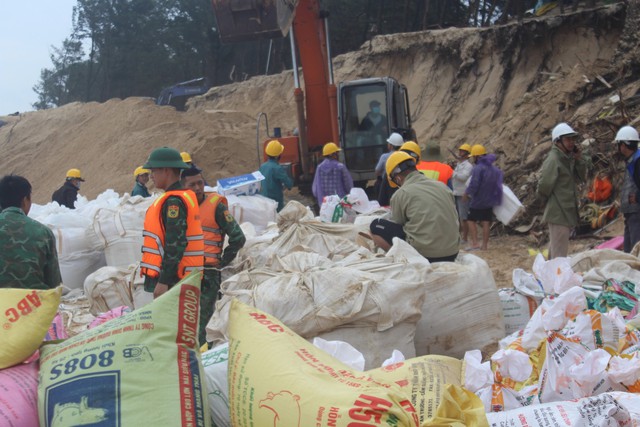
pixel 173 243
pixel 217 223
pixel 28 258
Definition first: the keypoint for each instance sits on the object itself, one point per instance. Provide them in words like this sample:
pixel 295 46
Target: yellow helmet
pixel 330 148
pixel 74 174
pixel 478 150
pixel 140 171
pixel 465 147
pixel 395 165
pixel 413 149
pixel 274 148
pixel 186 157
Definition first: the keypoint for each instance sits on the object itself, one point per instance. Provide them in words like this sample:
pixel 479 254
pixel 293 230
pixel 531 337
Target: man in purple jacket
pixel 332 177
pixel 484 192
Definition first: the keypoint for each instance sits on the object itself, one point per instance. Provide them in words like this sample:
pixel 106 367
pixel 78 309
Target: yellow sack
pixel 434 384
pixel 26 316
pixel 459 408
pixel 141 369
pixel 277 378
pixel 424 379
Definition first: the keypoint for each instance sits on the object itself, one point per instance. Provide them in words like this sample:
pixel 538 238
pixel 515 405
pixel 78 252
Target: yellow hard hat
pixel 186 157
pixel 139 171
pixel 465 147
pixel 413 149
pixel 478 150
pixel 395 165
pixel 274 148
pixel 330 148
pixel 74 174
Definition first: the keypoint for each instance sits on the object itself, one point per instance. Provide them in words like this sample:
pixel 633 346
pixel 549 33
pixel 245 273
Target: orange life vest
pixel 436 171
pixel 154 234
pixel 213 234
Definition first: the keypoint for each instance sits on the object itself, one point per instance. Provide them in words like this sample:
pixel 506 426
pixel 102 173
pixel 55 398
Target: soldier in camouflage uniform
pixel 222 224
pixel 28 258
pixel 164 266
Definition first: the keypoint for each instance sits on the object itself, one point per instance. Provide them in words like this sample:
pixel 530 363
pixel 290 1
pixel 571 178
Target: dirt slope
pixel 503 86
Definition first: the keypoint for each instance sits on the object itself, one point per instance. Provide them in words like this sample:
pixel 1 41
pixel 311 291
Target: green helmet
pixel 165 157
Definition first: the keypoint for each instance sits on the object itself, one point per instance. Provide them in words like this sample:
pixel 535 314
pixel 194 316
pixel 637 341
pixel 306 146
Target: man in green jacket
pixel 561 171
pixel 28 258
pixel 217 223
pixel 275 178
pixel 141 176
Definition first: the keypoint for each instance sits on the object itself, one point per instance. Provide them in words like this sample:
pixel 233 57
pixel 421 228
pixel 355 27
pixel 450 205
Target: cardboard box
pixel 243 185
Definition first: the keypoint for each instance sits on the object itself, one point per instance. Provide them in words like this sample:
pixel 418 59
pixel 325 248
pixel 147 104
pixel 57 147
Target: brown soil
pixel 504 87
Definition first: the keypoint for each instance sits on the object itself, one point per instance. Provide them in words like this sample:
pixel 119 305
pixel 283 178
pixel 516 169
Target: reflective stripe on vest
pixel 213 235
pixel 153 235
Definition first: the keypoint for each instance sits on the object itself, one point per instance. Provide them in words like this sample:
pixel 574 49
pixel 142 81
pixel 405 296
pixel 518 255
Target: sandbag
pixel 257 210
pixel 424 379
pixel 599 265
pixel 517 309
pixel 215 363
pixel 371 304
pixel 79 252
pixel 311 388
pixel 142 368
pixel 19 396
pixel 110 287
pixel 461 311
pixel 597 411
pixel 26 317
pixel 119 229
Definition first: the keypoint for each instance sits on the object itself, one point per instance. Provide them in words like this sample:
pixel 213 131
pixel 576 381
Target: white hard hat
pixel 395 139
pixel 627 133
pixel 562 129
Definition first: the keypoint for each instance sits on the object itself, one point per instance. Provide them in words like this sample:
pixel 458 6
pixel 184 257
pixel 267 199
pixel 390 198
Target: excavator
pixel 358 115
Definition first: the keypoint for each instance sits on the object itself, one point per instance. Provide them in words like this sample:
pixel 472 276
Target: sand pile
pixel 503 86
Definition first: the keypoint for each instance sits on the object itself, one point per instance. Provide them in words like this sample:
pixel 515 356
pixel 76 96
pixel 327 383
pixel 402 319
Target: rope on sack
pixel 99 232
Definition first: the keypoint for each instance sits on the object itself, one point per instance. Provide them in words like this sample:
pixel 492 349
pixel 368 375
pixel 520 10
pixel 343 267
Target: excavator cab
pixel 369 110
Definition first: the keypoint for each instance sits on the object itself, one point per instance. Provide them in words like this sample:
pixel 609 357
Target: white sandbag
pixel 461 311
pixel 301 232
pixel 597 411
pixel 362 300
pixel 215 363
pixel 376 345
pixel 257 210
pixel 517 309
pixel 599 265
pixel 509 208
pixel 75 269
pixel 110 287
pixel 119 229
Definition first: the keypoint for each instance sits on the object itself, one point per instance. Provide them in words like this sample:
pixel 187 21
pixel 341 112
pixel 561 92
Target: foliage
pixel 137 47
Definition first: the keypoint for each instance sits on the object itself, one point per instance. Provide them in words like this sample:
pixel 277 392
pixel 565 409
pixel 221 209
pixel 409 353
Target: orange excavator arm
pixel 240 20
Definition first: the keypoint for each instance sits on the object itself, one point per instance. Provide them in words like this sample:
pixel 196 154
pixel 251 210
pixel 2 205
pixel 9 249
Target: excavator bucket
pixel 242 20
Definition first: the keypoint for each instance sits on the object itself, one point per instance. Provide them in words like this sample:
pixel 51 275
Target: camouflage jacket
pixel 232 229
pixel 28 258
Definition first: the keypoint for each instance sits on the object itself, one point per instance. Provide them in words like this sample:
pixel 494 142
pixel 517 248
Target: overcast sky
pixel 28 29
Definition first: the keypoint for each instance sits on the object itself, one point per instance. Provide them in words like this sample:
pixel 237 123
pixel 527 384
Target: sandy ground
pixel 508 252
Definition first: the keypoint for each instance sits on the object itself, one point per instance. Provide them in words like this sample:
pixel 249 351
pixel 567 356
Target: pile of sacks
pixel 302 280
pixel 570 363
